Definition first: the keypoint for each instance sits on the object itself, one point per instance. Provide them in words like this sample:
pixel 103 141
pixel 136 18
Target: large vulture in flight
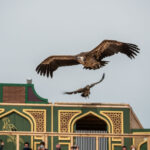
pixel 85 92
pixel 90 60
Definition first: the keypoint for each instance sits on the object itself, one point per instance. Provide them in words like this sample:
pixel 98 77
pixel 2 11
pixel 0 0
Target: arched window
pixel 91 124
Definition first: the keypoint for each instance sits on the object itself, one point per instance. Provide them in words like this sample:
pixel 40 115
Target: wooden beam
pixel 148 143
pixel 72 141
pixel 17 142
pixel 46 141
pixel 91 105
pixel 97 143
pixel 25 104
pixel 122 141
pixel 27 133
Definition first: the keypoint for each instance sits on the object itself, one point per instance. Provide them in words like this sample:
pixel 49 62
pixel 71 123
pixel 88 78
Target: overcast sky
pixel 31 30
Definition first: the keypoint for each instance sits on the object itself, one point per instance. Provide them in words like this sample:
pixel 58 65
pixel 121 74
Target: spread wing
pixel 50 64
pixel 111 47
pixel 75 92
pixel 83 89
pixel 98 81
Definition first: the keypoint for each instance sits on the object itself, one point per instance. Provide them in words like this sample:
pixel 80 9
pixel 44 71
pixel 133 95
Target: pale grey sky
pixel 31 30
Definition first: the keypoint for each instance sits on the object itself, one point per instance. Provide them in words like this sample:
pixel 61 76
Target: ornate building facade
pixel 22 109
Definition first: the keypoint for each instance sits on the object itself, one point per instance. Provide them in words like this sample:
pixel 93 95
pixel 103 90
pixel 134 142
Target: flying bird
pixel 85 92
pixel 90 60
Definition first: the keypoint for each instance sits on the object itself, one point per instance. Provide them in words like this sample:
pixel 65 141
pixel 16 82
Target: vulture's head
pixel 80 59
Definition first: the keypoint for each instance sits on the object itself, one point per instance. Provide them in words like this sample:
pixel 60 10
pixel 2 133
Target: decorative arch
pixel 94 114
pixel 2 110
pixel 24 116
pixel 91 122
pixel 139 146
pixel 19 113
pixel 142 141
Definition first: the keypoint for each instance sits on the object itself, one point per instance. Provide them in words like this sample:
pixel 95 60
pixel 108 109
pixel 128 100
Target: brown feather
pixel 85 92
pixel 110 47
pixel 75 92
pixel 90 60
pixel 50 64
pixel 98 81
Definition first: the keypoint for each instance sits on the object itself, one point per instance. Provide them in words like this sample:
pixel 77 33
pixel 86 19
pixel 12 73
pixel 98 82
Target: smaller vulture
pixel 93 59
pixel 85 92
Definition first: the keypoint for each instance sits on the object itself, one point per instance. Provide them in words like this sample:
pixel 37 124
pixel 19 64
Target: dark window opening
pixel 91 122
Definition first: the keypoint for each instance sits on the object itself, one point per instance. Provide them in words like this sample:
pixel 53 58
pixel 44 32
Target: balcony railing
pixel 45 136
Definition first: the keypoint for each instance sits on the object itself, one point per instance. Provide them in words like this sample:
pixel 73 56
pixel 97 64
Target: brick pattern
pixel 14 94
